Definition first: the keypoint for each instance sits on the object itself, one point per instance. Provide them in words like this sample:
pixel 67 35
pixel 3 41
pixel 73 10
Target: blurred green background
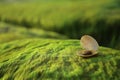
pixel 61 19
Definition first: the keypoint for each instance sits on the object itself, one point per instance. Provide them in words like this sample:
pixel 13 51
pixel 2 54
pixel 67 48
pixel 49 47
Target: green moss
pixel 47 59
pixel 13 32
pixel 73 18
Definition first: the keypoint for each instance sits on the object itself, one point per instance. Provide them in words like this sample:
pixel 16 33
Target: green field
pixel 40 39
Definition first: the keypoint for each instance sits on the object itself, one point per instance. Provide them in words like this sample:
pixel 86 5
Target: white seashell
pixel 89 43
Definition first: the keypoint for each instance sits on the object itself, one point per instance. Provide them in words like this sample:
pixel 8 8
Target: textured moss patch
pixel 39 59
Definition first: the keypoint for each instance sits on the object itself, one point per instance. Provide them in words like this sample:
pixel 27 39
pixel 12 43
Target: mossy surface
pixel 10 32
pixel 47 59
pixel 73 18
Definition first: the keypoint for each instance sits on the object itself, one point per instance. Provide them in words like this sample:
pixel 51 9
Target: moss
pixel 10 32
pixel 47 59
pixel 73 18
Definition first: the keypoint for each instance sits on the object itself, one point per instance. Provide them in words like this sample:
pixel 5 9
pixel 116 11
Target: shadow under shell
pixel 87 53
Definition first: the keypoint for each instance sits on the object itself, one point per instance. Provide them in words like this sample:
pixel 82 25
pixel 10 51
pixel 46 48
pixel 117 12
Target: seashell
pixel 90 46
pixel 89 43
